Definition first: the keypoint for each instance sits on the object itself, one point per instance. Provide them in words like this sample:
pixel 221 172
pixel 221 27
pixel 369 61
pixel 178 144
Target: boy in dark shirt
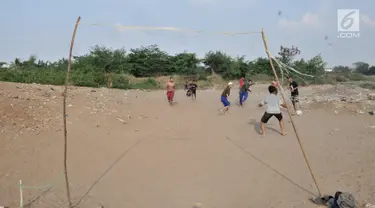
pixel 193 89
pixel 224 98
pixel 244 91
pixel 294 92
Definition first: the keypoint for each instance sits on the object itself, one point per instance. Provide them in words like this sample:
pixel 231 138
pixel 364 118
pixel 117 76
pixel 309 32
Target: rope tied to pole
pixel 170 29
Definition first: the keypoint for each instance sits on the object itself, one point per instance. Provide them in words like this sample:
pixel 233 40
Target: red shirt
pixel 241 82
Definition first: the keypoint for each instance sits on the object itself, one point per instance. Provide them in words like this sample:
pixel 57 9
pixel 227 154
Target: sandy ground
pixel 130 149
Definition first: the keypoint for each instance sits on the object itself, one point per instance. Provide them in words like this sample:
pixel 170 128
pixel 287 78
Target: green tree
pixel 361 67
pixel 371 71
pixel 217 62
pixel 149 61
pixel 260 66
pixel 185 63
pixel 315 66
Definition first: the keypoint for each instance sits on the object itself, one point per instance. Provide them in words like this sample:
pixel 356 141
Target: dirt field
pixel 130 149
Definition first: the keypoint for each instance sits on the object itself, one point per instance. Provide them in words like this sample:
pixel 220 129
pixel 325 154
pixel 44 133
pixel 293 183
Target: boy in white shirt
pixel 273 102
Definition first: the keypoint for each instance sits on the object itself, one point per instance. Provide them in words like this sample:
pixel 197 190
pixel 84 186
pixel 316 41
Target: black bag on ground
pixel 344 200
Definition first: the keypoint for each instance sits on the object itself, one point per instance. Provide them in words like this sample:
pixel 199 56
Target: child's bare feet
pixel 283 133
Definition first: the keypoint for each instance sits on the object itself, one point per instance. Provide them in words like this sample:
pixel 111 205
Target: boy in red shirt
pixel 242 82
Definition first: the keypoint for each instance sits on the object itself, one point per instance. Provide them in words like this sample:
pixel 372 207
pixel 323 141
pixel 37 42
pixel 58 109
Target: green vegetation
pixel 149 67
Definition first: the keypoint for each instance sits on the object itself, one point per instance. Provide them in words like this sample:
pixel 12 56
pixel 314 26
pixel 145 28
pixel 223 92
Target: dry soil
pixel 131 149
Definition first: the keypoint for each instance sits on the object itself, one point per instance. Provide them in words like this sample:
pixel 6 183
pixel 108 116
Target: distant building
pixel 5 66
pixel 328 69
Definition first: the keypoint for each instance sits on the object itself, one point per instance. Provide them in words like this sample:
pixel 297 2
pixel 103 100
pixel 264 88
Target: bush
pixel 146 84
pixel 202 75
pixel 260 78
pixel 356 77
pixel 368 85
pixel 53 77
pixel 340 78
pixel 325 80
pixel 87 79
pixel 120 81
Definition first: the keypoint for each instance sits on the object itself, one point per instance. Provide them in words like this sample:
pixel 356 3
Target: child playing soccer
pixel 224 98
pixel 273 102
pixel 244 91
pixel 294 93
pixel 193 88
pixel 170 88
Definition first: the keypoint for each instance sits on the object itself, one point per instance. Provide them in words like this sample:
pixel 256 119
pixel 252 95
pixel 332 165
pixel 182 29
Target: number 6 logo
pixel 347 21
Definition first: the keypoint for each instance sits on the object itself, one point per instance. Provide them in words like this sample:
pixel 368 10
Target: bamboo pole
pixel 65 115
pixel 21 194
pixel 290 114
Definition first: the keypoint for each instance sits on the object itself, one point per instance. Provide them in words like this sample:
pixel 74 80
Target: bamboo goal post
pixel 290 114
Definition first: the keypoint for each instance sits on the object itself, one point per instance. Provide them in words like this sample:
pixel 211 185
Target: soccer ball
pixel 299 113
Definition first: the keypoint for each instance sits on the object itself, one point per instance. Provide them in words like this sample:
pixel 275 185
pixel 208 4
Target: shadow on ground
pixel 256 126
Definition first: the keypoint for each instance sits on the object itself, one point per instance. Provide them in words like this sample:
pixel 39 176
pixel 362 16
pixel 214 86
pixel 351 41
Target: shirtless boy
pixel 170 87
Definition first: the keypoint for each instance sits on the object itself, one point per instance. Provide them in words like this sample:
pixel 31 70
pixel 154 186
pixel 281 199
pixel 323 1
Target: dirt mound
pixel 339 98
pixel 28 108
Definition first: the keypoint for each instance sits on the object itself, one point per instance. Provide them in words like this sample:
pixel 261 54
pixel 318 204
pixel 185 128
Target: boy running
pixel 242 81
pixel 170 87
pixel 244 91
pixel 193 89
pixel 294 93
pixel 273 102
pixel 224 98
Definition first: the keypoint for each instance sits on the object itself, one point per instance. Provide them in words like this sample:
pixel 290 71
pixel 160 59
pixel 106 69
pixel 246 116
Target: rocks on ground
pixel 342 98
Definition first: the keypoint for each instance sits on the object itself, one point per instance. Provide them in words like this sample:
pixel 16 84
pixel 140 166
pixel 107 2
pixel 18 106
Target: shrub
pixel 88 79
pixel 149 83
pixel 368 85
pixel 120 82
pixel 356 77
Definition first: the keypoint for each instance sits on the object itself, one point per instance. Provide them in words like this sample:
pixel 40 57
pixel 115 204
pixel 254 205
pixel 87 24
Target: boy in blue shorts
pixel 244 91
pixel 224 98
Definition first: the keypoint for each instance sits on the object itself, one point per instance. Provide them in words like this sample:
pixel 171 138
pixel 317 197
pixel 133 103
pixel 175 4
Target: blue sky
pixel 44 27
